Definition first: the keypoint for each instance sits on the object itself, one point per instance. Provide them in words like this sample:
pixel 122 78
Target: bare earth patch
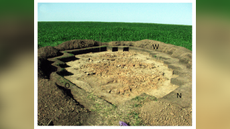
pixel 120 76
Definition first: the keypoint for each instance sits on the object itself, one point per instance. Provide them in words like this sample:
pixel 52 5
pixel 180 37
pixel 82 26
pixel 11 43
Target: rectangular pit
pixel 114 49
pixel 126 49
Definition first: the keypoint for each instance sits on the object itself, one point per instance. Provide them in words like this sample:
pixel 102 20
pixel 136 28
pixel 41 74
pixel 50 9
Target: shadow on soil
pixel 47 68
pixel 88 50
pixel 68 93
pixel 67 59
pixel 64 72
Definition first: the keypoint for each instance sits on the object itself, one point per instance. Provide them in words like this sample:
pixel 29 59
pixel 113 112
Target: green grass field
pixel 54 33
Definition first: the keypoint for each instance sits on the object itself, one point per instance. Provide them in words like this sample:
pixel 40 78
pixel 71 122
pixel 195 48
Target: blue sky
pixel 162 13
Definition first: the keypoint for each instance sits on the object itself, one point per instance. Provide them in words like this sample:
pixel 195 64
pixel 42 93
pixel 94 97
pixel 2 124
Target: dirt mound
pixel 55 106
pixel 77 44
pixel 48 51
pixel 121 43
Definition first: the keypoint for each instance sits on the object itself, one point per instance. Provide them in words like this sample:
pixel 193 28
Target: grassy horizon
pixel 54 33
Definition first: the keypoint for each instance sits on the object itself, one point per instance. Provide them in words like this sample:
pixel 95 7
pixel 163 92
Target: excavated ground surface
pixel 107 87
pixel 120 76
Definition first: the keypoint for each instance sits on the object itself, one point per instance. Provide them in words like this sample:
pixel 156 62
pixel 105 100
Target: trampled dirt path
pixel 139 86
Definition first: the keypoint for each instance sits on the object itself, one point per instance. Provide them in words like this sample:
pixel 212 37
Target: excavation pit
pixel 107 83
pixel 126 49
pixel 120 76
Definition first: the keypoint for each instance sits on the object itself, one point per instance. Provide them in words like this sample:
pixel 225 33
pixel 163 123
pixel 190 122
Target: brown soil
pixel 138 86
pixel 77 44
